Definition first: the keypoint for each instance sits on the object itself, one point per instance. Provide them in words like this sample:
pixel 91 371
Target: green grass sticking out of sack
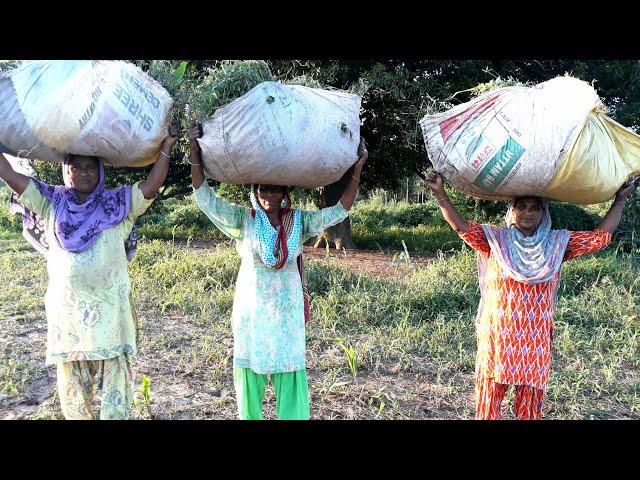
pixel 230 80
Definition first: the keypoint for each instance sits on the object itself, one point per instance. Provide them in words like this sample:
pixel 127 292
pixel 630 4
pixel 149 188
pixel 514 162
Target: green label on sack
pixel 499 166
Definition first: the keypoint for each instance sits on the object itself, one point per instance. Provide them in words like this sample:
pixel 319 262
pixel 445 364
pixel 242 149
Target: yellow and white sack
pixel 552 140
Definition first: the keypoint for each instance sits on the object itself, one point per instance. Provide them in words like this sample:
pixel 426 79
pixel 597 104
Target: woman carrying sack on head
pixel 270 305
pixel 519 269
pixel 88 238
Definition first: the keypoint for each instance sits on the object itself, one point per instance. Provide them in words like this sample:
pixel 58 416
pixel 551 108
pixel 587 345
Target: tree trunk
pixel 339 235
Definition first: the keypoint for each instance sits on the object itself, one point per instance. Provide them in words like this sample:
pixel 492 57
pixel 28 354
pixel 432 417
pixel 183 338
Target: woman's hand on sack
pixel 195 155
pixel 195 132
pixel 627 188
pixel 611 220
pixel 435 182
pixel 349 194
pixel 158 173
pixel 171 139
pixel 363 154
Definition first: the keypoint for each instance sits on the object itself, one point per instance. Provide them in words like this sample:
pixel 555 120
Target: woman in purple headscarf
pixel 87 235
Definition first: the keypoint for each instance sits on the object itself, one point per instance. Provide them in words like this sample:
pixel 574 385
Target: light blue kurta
pixel 268 307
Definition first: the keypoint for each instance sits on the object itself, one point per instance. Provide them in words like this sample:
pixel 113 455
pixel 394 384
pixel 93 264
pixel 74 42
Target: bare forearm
pixel 612 218
pixel 156 178
pixel 16 181
pixel 349 195
pixel 197 170
pixel 450 214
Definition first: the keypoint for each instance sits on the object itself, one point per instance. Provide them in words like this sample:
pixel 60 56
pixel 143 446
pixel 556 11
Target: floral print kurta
pixel 268 307
pixel 515 329
pixel 89 314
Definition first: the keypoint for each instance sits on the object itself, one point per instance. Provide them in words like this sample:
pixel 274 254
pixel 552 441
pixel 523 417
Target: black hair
pixel 69 156
pixel 283 188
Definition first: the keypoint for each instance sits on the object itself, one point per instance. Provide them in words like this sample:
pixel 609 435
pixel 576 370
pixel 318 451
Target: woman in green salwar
pixel 271 306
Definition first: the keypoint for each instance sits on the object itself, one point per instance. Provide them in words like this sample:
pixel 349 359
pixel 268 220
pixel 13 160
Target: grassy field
pixel 400 346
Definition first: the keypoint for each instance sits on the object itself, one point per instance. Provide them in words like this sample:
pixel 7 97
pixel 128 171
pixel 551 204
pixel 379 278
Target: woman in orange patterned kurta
pixel 519 269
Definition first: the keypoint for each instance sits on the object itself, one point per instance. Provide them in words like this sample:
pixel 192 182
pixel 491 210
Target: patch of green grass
pixel 175 279
pixel 174 218
pixel 9 223
pixel 24 278
pixel 14 374
pixel 421 238
pixel 163 232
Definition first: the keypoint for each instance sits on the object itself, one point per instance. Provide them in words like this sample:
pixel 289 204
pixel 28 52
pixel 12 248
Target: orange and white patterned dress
pixel 515 328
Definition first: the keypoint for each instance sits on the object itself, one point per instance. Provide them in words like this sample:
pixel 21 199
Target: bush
pixel 397 214
pixel 188 215
pixel 422 238
pixel 477 209
pixel 175 218
pixel 572 217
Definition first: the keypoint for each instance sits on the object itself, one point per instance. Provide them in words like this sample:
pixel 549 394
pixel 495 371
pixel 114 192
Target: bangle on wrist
pixel 168 156
pixel 356 179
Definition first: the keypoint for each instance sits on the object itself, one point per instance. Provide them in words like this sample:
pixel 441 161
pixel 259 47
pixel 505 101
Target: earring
pixel 283 203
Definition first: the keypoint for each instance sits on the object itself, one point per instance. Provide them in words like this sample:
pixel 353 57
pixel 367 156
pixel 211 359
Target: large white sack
pixel 510 141
pixel 283 135
pixel 15 134
pixel 110 109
